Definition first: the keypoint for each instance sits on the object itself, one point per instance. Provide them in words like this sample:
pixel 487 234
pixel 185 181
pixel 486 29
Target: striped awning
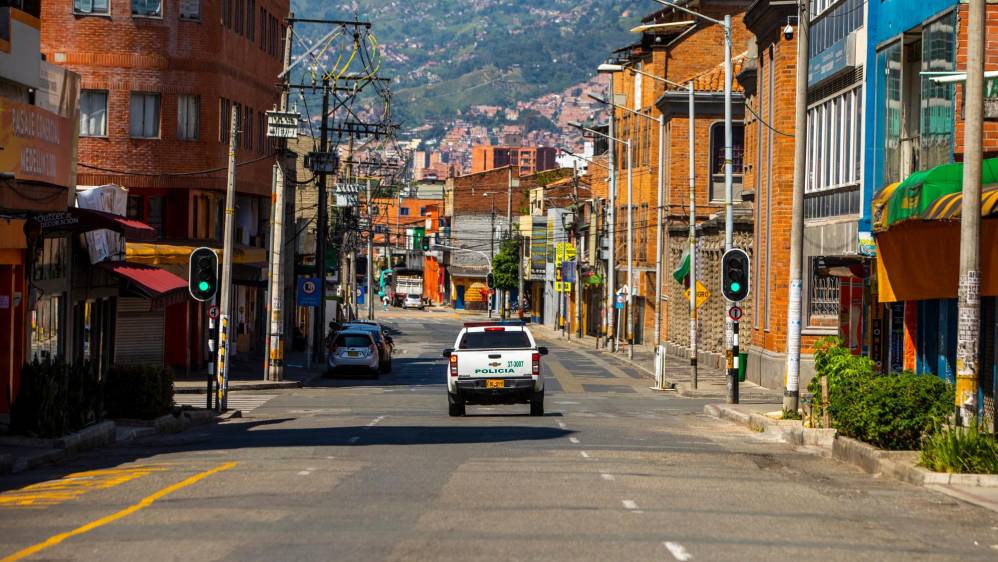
pixel 948 206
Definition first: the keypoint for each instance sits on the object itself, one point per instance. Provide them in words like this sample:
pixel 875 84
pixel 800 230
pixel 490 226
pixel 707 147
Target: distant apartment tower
pixel 528 159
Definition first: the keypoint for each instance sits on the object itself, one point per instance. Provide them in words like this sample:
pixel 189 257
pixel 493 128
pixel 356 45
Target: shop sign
pixel 37 144
pixel 867 246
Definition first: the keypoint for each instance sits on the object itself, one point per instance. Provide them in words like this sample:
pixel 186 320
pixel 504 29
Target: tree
pixel 505 266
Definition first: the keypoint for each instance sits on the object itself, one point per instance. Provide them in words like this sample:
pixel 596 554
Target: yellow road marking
pixel 567 381
pixel 144 503
pixel 45 494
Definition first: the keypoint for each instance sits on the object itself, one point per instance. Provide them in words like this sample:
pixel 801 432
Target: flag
pixel 683 271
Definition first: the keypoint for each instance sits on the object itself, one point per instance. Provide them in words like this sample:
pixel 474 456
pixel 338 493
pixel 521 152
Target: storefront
pixel 917 225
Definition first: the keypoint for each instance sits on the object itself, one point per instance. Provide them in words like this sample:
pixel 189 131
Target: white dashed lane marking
pixel 678 551
pixel 584 454
pixel 606 476
pixel 629 504
pixel 574 440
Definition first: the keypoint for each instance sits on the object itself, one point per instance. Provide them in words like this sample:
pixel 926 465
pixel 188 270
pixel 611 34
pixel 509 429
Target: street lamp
pixel 613 227
pixel 659 235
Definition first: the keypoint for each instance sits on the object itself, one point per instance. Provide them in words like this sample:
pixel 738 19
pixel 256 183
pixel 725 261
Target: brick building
pixel 680 54
pixel 159 80
pixel 526 160
pixel 769 77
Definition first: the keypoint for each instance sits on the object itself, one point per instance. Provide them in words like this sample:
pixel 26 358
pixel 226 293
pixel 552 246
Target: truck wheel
pixel 455 406
pixel 537 404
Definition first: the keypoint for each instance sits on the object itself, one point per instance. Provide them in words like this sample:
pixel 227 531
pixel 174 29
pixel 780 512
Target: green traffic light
pixel 736 286
pixel 203 286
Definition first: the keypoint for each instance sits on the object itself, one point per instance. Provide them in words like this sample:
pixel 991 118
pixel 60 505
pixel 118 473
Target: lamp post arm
pixel 689 11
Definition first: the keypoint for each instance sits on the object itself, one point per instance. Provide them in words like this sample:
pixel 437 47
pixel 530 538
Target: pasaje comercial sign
pixel 37 144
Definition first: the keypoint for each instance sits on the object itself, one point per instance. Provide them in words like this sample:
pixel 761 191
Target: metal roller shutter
pixel 139 332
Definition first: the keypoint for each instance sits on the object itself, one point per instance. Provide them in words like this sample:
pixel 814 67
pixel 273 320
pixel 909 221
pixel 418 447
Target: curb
pixel 236 388
pixel 108 432
pixel 899 465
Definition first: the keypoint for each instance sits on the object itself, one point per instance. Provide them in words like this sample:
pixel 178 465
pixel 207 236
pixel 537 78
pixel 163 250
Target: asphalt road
pixel 376 470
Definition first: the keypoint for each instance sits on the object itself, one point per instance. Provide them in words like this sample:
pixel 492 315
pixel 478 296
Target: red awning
pixel 75 220
pixel 149 281
pixel 130 228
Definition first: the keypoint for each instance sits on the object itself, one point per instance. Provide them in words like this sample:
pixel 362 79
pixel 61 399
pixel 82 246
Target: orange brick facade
pixel 696 54
pixel 526 159
pixel 171 56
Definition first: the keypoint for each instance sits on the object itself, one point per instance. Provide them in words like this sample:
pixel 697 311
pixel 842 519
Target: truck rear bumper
pixel 514 391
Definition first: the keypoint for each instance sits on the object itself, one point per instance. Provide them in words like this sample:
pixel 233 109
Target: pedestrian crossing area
pixel 237 400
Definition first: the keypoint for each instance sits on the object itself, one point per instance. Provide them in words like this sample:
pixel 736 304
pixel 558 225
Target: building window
pixel 404 211
pixel 238 16
pixel 226 13
pixel 422 211
pixel 46 328
pixel 263 28
pixel 147 8
pixel 144 115
pixel 248 129
pixel 224 116
pixel 188 117
pixel 134 210
pixel 889 66
pixel 823 298
pixel 835 129
pixel 261 131
pixel 94 7
pixel 93 113
pixel 190 9
pixel 717 160
pixel 251 20
pixel 832 21
pixel 936 123
pixel 155 216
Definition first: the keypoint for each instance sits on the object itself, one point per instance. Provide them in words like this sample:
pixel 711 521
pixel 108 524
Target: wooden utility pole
pixel 969 317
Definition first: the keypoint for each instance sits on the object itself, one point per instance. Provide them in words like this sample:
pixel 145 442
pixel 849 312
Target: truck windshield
pixel 495 340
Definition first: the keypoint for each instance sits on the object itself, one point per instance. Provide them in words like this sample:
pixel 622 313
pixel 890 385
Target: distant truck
pixel 407 282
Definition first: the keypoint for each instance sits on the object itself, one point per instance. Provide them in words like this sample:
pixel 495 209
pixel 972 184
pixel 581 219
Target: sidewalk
pixel 711 382
pixel 978 489
pixel 246 373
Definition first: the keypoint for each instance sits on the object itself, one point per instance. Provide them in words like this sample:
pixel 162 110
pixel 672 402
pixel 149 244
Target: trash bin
pixel 742 363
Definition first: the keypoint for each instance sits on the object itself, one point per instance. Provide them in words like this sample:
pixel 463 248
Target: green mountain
pixel 446 55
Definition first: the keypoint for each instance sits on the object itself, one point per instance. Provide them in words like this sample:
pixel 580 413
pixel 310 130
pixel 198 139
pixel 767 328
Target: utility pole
pixel 576 229
pixel 370 255
pixel 968 324
pixel 490 301
pixel 692 236
pixel 322 232
pixel 611 219
pixel 659 231
pixel 630 253
pixel 522 300
pixel 791 395
pixel 275 357
pixel 227 249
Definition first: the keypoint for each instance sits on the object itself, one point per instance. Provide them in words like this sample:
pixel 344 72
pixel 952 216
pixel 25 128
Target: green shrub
pixel 85 395
pixel 138 391
pixel 39 408
pixel 887 411
pixel 963 450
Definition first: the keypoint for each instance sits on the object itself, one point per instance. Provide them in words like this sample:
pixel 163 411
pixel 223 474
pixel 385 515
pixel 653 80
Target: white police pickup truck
pixel 495 363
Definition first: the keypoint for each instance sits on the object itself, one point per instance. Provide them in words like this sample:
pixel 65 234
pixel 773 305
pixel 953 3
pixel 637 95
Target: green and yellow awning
pixel 933 194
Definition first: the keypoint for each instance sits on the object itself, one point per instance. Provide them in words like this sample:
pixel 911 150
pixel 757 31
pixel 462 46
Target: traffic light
pixel 735 275
pixel 490 280
pixel 426 244
pixel 202 278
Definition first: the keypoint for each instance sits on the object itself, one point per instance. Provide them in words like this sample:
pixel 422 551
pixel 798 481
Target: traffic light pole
pixel 733 371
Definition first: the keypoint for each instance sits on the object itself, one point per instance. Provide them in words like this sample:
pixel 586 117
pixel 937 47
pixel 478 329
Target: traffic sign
pixel 213 312
pixel 621 299
pixel 702 294
pixel 308 291
pixel 735 313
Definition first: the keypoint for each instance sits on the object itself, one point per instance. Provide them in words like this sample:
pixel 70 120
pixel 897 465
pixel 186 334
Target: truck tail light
pixel 535 363
pixel 453 365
